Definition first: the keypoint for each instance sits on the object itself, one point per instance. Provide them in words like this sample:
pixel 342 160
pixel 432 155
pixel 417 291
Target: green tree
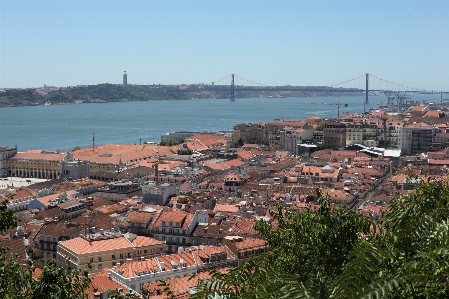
pixel 334 253
pixel 76 148
pixel 309 249
pixel 16 281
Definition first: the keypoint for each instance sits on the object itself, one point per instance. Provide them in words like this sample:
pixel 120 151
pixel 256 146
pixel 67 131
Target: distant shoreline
pixel 104 93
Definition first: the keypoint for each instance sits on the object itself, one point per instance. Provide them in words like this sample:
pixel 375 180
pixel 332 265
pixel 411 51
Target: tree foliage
pixel 336 253
pixel 16 277
pixel 171 142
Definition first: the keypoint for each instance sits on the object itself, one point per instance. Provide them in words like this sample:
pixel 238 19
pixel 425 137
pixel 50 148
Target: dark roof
pixel 212 230
pixel 12 247
pixel 50 213
pixel 46 184
pixel 58 229
pixel 69 204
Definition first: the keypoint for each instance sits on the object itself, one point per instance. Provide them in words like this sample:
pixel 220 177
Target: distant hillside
pixel 118 92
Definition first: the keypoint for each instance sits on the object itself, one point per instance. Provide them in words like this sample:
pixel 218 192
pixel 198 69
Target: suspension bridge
pixel 365 83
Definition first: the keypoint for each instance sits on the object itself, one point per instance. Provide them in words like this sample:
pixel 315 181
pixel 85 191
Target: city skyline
pixel 270 42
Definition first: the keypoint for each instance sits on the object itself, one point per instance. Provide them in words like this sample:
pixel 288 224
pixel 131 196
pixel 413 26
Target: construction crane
pixel 337 104
pixel 399 96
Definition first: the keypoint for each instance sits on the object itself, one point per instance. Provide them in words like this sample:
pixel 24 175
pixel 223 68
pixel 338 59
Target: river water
pixel 66 126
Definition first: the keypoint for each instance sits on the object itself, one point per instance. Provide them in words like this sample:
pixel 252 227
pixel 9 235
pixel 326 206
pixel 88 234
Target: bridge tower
pixel 366 88
pixel 232 88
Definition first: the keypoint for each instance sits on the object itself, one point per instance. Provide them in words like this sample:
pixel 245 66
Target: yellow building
pixel 106 250
pixel 248 133
pixel 37 164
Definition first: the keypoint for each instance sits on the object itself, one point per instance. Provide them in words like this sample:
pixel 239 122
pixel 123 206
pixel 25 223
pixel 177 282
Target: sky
pixel 301 43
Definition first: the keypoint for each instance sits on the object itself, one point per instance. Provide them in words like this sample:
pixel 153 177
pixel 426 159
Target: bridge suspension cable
pixel 408 87
pixel 347 80
pixel 215 82
pixel 250 81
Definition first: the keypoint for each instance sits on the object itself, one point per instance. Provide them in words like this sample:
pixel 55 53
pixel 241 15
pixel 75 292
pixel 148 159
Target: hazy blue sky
pixel 271 42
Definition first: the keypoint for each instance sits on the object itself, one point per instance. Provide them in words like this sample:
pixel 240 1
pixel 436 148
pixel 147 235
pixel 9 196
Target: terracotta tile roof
pixel 226 208
pixel 21 193
pixel 179 285
pixel 244 227
pixel 206 251
pixel 80 245
pixel 186 223
pixel 139 217
pixel 171 216
pixel 45 155
pixel 141 241
pixel 130 269
pixel 250 243
pixel 210 140
pixel 234 162
pixel 244 155
pixel 127 153
pixel 167 259
pixel 110 209
pixel 102 284
pixel 419 108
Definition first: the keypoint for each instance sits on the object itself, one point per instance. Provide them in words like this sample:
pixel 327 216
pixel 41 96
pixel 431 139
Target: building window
pixel 121 255
pixel 100 267
pixel 139 252
pixel 113 256
pixel 129 254
pixel 99 258
pixel 91 259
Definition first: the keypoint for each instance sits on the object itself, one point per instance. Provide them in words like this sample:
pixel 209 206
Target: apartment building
pixel 291 137
pixel 334 134
pixel 175 227
pixel 364 133
pixel 417 137
pixel 107 248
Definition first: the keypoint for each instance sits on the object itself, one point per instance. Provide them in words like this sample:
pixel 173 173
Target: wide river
pixel 66 126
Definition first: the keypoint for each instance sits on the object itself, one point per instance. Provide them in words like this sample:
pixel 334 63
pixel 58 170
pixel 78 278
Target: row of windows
pixel 174 224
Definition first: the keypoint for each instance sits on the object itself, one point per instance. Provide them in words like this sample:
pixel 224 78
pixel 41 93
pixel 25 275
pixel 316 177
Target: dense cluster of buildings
pixel 142 213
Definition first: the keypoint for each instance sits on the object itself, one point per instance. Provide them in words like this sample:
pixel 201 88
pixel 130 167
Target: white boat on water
pixel 47 103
